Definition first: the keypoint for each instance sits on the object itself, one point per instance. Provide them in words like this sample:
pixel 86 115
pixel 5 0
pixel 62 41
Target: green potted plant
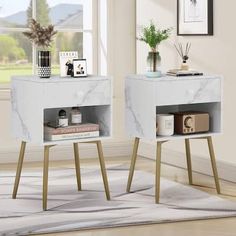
pixel 153 36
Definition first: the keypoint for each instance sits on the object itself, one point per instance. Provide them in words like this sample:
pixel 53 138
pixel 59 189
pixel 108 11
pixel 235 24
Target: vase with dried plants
pixel 153 36
pixel 42 37
pixel 183 52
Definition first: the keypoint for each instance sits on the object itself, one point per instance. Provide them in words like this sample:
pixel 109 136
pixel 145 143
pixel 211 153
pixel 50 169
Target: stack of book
pixel 87 130
pixel 179 72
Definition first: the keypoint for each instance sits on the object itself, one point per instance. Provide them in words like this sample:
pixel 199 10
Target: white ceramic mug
pixel 165 124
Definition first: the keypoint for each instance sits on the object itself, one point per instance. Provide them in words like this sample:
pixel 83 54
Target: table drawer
pixel 82 93
pixel 188 92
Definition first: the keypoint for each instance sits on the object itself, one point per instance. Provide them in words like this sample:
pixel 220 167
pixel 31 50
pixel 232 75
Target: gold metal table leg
pixel 19 168
pixel 213 163
pixel 188 158
pixel 77 165
pixel 132 164
pixel 103 169
pixel 45 175
pixel 158 171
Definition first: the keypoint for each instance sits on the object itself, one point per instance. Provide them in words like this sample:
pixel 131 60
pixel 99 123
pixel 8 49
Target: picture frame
pixel 80 68
pixel 66 62
pixel 195 17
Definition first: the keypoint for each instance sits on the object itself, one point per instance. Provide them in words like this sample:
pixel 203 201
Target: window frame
pixel 5 87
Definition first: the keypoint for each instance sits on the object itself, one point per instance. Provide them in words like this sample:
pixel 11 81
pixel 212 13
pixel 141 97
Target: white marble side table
pixel 35 101
pixel 147 97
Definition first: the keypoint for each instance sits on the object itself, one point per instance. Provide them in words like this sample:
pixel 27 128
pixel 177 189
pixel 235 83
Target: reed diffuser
pixel 183 52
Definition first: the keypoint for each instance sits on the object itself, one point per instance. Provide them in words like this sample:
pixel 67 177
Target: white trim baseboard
pixel 65 152
pixel 227 171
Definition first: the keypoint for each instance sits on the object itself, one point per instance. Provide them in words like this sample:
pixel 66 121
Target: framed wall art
pixel 194 17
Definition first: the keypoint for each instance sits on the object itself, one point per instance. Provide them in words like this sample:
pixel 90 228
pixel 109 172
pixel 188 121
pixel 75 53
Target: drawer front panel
pixel 82 93
pixel 188 92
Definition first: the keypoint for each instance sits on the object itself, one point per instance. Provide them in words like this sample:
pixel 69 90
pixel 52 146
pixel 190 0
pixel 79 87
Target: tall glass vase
pixel 44 64
pixel 153 63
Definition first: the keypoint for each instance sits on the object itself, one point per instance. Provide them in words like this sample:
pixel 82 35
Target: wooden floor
pixel 218 227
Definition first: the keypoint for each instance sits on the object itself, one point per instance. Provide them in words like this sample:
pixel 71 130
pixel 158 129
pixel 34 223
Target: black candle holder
pixel 44 64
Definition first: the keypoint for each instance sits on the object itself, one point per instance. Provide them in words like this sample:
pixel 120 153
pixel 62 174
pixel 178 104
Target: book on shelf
pixel 60 137
pixel 86 127
pixel 179 72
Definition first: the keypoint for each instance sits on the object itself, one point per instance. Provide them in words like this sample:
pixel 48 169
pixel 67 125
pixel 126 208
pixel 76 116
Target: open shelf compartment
pixel 100 115
pixel 215 118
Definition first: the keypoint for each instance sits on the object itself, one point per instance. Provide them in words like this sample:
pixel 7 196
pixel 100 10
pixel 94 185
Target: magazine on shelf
pixel 86 127
pixel 58 137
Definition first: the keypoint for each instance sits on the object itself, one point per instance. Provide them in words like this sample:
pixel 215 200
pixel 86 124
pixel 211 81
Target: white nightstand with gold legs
pixel 145 98
pixel 37 102
pixel 158 164
pixel 45 170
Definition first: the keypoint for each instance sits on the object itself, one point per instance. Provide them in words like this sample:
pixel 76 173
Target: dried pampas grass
pixel 41 36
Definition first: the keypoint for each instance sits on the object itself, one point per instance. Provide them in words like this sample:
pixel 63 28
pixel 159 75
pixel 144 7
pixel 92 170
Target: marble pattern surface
pixel 27 111
pixel 73 210
pixel 17 115
pixel 140 109
pixel 173 92
pixel 77 93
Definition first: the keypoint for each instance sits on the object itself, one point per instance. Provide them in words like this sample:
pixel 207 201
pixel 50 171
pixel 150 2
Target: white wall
pixel 213 54
pixel 163 17
pixel 121 55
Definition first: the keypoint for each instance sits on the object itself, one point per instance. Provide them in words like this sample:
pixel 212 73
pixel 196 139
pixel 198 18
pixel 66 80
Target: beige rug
pixel 72 210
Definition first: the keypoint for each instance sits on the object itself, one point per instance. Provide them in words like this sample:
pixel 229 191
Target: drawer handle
pixel 79 94
pixel 190 92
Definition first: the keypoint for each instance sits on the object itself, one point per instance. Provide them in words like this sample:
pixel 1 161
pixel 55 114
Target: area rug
pixel 70 210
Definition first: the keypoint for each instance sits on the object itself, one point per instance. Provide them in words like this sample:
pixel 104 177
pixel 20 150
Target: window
pixel 75 21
